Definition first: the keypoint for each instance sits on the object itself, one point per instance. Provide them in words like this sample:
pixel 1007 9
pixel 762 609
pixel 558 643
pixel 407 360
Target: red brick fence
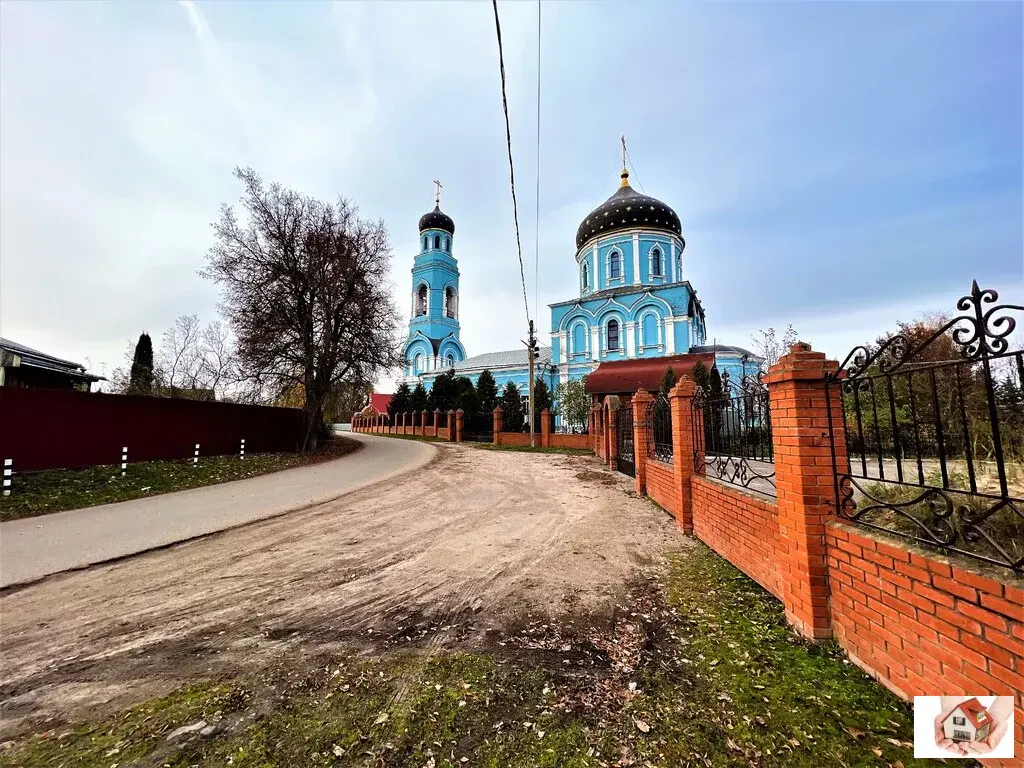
pixel 427 423
pixel 913 619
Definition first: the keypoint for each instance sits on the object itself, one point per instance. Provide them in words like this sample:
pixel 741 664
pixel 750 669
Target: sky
pixel 837 166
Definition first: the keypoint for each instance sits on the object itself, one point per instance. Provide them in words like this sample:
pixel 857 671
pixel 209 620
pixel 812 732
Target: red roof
pixel 975 712
pixel 623 376
pixel 380 402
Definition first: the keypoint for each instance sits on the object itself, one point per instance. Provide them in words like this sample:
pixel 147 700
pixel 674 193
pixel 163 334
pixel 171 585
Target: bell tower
pixel 433 342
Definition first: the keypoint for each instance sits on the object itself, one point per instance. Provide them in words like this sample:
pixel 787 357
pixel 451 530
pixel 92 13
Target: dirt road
pixel 479 534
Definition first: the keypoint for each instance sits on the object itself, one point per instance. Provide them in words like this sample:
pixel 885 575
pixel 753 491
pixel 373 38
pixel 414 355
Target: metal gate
pixel 625 459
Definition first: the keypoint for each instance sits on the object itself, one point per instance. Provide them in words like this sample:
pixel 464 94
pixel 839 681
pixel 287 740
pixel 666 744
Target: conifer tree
pixel 400 400
pixel 418 401
pixel 444 393
pixel 512 408
pixel 668 381
pixel 141 379
pixel 487 389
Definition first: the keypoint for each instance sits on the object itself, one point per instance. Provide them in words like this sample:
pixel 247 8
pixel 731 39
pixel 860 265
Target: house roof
pixel 512 357
pixel 380 402
pixel 629 375
pixel 974 711
pixel 33 358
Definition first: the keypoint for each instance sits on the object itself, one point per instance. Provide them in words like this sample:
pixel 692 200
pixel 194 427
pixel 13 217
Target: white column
pixel 563 355
pixel 630 339
pixel 636 258
pixel 670 336
pixel 595 343
pixel 593 270
pixel 672 260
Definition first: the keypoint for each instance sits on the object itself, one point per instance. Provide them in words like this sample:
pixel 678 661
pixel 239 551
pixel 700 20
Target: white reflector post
pixel 241 450
pixel 195 458
pixel 124 460
pixel 8 471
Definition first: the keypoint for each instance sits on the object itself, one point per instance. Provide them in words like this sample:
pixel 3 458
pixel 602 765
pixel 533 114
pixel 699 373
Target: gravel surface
pixel 491 535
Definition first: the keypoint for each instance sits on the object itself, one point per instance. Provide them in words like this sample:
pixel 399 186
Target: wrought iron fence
pixel 934 424
pixel 732 434
pixel 567 424
pixel 478 427
pixel 659 421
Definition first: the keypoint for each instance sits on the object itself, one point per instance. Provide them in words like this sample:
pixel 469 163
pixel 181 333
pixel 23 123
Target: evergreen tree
pixel 468 398
pixel 487 389
pixel 400 401
pixel 419 400
pixel 542 396
pixel 701 376
pixel 445 392
pixel 141 379
pixel 668 381
pixel 512 409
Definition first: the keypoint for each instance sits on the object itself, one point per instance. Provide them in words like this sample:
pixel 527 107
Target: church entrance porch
pixel 625 460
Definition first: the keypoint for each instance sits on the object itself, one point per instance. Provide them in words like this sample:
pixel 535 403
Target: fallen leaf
pixel 641 726
pixel 381 718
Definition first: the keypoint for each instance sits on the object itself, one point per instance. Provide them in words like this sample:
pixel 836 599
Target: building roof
pixel 628 209
pixel 437 219
pixel 726 349
pixel 33 358
pixel 510 358
pixel 975 711
pixel 624 290
pixel 630 375
pixel 380 402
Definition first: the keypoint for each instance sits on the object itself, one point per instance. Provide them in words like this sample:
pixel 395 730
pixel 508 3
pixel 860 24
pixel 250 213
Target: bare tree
pixel 305 291
pixel 179 364
pixel 769 346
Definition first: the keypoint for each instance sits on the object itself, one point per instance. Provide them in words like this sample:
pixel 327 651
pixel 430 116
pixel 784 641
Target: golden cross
pixel 623 139
pixel 437 193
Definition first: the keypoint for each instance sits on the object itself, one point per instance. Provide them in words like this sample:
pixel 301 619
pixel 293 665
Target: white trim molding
pixel 636 258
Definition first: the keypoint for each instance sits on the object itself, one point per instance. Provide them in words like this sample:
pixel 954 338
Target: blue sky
pixel 840 166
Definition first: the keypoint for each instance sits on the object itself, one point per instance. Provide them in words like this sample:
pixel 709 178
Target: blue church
pixel 634 316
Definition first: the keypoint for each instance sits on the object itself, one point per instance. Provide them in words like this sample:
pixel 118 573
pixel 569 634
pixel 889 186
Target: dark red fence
pixel 49 428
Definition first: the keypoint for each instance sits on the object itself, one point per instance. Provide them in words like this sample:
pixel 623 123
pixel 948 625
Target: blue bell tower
pixel 433 342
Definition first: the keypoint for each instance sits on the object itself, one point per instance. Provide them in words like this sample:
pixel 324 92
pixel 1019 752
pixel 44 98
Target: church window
pixel 437 242
pixel 450 360
pixel 650 330
pixel 426 243
pixel 421 300
pixel 613 335
pixel 418 364
pixel 451 303
pixel 679 267
pixel 447 244
pixel 614 266
pixel 579 339
pixel 586 277
pixel 656 262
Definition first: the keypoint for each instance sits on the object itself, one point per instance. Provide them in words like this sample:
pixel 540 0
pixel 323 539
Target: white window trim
pixel 604 328
pixel 659 331
pixel 660 274
pixel 585 352
pixel 415 299
pixel 608 266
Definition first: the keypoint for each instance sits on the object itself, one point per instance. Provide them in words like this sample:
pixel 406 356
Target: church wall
pixel 634 248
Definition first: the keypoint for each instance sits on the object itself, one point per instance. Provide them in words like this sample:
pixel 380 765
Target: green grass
pixel 39 493
pixel 699 669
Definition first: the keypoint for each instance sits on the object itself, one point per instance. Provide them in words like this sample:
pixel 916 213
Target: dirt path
pixel 479 534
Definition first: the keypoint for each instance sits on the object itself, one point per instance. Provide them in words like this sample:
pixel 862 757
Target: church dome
pixel 437 219
pixel 628 209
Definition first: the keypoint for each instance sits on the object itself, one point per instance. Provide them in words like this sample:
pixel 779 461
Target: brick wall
pixel 513 438
pixel 661 486
pixel 741 527
pixel 585 442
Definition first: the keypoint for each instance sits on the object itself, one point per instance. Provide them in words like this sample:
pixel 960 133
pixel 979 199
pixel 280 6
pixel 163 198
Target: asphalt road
pixel 34 547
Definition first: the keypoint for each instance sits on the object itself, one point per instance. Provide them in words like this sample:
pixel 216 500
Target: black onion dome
pixel 437 219
pixel 627 209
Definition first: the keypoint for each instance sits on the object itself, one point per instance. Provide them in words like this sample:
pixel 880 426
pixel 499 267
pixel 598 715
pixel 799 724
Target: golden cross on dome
pixel 625 174
pixel 437 193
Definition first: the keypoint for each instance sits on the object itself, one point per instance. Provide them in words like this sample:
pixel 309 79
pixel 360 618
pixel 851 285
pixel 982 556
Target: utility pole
pixel 532 352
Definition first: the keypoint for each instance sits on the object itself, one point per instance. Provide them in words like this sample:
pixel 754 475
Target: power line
pixel 630 160
pixel 511 167
pixel 536 244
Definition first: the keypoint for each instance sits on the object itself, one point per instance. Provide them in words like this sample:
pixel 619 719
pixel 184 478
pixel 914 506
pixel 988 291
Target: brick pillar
pixel 437 420
pixel 423 423
pixel 641 438
pixel 804 479
pixel 496 425
pixel 451 426
pixel 611 432
pixel 597 430
pixel 459 414
pixel 545 428
pixel 685 423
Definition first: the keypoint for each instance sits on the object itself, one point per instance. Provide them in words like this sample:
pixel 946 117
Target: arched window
pixel 586 276
pixel 613 335
pixel 418 364
pixel 679 267
pixel 650 330
pixel 437 242
pixel 656 266
pixel 614 265
pixel 421 300
pixel 579 339
pixel 450 360
pixel 451 303
pixel 447 244
pixel 426 244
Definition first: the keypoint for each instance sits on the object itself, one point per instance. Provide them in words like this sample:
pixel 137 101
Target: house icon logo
pixel 970 721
